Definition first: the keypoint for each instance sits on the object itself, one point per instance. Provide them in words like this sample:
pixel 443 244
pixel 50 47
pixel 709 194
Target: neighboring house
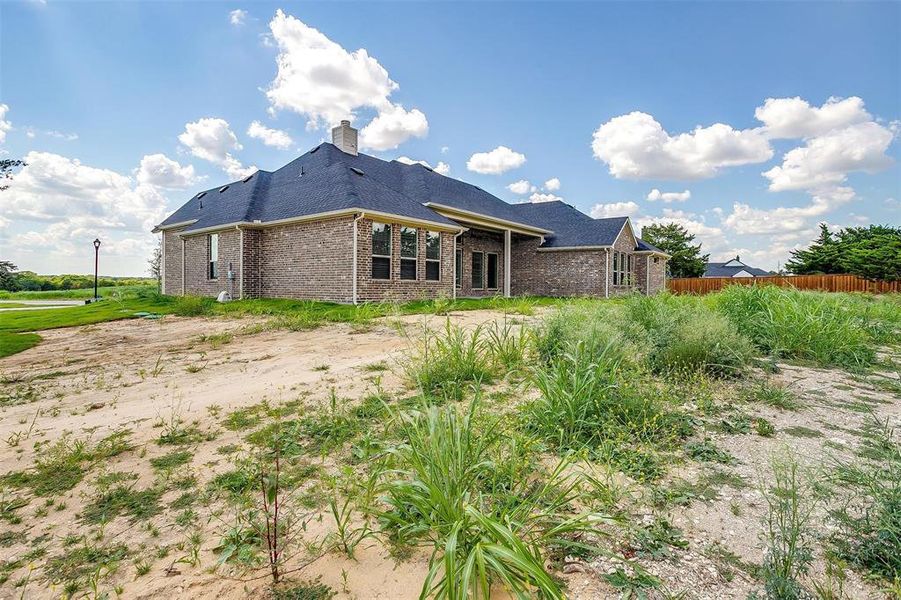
pixel 733 268
pixel 346 227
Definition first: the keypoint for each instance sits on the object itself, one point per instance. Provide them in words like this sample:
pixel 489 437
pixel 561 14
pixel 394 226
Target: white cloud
pixel 495 162
pixel 212 140
pixel 318 78
pixel 796 118
pixel 32 133
pixel 520 187
pixel 161 171
pixel 747 220
pixel 79 200
pixel 614 209
pixel 444 149
pixel 552 184
pixel 271 137
pixel 237 17
pixel 393 126
pixel 635 146
pixel 4 124
pixel 654 195
pixel 542 197
pixel 826 160
pixel 442 168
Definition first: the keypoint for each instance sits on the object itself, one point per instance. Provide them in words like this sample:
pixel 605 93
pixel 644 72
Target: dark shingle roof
pixel 570 226
pixel 643 246
pixel 721 270
pixel 326 179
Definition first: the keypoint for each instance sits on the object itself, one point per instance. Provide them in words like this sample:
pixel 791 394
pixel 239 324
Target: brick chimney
pixel 345 137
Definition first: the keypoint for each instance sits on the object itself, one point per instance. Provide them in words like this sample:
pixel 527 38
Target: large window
pixel 458 268
pixel 213 256
pixel 408 250
pixel 433 256
pixel 478 270
pixel 381 251
pixel 622 268
pixel 491 257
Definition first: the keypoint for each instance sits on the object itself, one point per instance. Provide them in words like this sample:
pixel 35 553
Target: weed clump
pixel 787 323
pixel 451 487
pixel 443 364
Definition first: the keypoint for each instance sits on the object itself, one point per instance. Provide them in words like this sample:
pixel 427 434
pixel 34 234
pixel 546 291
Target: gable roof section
pixel 720 269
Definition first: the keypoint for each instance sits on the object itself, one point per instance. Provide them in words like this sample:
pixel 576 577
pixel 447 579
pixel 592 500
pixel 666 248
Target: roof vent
pixel 302 172
pixel 223 188
pixel 357 171
pixel 201 195
pixel 248 178
pixel 313 151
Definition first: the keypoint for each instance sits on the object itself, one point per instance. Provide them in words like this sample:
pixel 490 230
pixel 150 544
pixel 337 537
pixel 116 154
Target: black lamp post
pixel 96 264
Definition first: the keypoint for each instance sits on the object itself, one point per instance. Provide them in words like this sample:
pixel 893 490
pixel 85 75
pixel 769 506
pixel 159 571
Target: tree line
pixel 13 280
pixel 872 252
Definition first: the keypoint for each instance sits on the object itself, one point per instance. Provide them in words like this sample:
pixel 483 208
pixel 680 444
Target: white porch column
pixel 507 261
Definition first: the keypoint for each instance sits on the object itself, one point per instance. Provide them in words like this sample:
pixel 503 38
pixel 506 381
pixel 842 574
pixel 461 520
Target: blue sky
pixel 125 110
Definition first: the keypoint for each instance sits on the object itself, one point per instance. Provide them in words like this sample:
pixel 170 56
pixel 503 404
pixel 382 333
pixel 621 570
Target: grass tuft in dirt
pixel 442 364
pixel 450 488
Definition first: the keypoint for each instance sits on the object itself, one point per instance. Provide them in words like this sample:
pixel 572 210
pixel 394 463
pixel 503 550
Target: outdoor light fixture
pixel 96 264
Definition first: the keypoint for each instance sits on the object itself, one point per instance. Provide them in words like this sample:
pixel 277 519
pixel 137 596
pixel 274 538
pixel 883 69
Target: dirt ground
pixel 94 380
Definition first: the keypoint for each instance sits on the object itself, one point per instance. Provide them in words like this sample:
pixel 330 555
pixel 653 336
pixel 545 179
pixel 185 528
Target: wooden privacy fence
pixel 824 283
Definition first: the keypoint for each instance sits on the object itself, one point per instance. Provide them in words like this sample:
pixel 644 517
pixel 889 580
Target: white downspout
pixel 607 273
pixel 240 262
pixel 456 235
pixel 354 261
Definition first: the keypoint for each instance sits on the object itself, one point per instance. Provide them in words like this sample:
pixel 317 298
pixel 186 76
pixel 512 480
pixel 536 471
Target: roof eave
pixel 162 227
pixel 488 219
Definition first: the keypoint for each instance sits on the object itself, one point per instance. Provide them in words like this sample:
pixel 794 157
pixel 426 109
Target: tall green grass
pixel 443 363
pixel 680 334
pixel 451 488
pixel 830 329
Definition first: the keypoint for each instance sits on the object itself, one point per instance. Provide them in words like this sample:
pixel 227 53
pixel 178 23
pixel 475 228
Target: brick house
pixel 341 226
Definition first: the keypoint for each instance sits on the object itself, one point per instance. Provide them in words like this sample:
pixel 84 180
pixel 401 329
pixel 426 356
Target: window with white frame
pixel 213 256
pixel 408 251
pixel 432 256
pixel 381 251
pixel 622 268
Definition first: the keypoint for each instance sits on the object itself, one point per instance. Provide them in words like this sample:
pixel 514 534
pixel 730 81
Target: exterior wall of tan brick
pixel 252 279
pixel 172 266
pixel 555 273
pixel 309 261
pixel 197 281
pixel 376 290
pixel 657 275
pixel 484 242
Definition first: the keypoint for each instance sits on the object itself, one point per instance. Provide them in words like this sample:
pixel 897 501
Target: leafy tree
pixel 872 252
pixel 6 170
pixel 9 279
pixel 672 238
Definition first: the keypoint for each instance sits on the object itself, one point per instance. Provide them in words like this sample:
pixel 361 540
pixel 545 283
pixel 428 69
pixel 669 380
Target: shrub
pixel 788 323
